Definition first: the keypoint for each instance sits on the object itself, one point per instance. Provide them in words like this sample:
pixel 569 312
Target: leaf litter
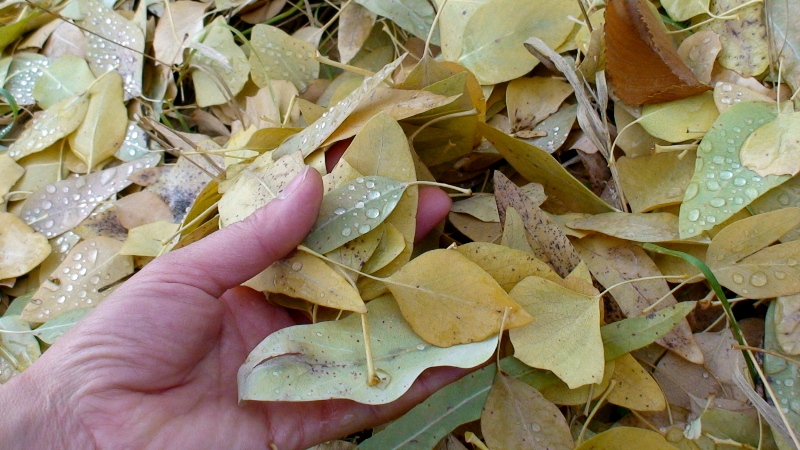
pixel 679 111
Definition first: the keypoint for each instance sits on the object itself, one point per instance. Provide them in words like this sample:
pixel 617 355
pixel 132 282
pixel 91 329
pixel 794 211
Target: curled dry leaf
pixel 463 304
pixel 299 363
pixel 643 64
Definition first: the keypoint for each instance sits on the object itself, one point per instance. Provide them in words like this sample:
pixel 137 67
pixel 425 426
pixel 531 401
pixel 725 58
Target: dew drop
pixel 712 185
pixel 693 215
pixel 373 213
pixel 758 279
pixel 77 257
pixel 780 275
pixel 738 181
pixel 359 180
pixel 738 278
pixel 339 211
pixel 319 334
pixel 48 224
pixel 50 189
pixel 691 191
pixel 421 347
pixel 751 192
pixel 363 229
pixel 297 266
pixel 717 202
pixel 791 262
pixel 94 279
pixel 360 205
pixel 350 187
pixel 47 205
pixel 536 427
pixel 370 184
pixel 372 195
pixel 784 199
pixel 61 299
pixel 347 232
pixel 725 175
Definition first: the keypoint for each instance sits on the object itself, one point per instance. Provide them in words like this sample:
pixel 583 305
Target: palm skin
pixel 154 366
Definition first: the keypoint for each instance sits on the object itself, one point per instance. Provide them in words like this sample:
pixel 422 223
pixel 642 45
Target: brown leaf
pixel 555 244
pixel 643 64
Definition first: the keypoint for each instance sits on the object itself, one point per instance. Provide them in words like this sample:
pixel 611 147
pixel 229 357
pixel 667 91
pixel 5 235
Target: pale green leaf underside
pixel 633 333
pixel 721 186
pixel 326 360
pixel 352 210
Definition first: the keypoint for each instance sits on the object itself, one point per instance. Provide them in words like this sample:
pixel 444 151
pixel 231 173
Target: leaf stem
pixel 712 280
pixel 372 377
pixel 441 185
pixel 634 280
pixel 345 67
pixel 589 418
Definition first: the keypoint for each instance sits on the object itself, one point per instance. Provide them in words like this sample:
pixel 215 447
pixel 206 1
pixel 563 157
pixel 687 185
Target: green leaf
pixel 326 360
pixel 414 16
pixel 25 70
pixel 634 333
pixel 492 47
pixel 54 328
pixel 17 350
pixel 352 210
pixel 455 404
pixel 278 56
pixel 721 186
pixel 219 60
pixel 50 126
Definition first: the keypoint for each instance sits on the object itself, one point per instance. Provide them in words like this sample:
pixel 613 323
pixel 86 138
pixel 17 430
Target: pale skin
pixel 154 366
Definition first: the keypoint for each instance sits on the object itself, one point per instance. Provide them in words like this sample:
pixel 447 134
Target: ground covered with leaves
pixel 621 258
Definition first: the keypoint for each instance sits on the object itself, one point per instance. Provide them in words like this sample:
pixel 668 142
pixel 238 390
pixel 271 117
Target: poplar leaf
pixel 462 304
pixel 60 206
pixel 10 173
pixel 309 278
pixel 113 43
pixel 721 186
pixel 516 416
pixel 326 360
pixel 639 227
pixel 747 236
pixel 745 47
pixel 21 248
pixel 316 133
pixel 621 438
pixel 67 76
pixel 391 245
pixel 103 128
pixel 150 239
pixel 355 24
pixel 17 350
pixel 180 22
pixel 49 126
pixel 564 336
pixel 773 148
pixel 23 73
pixel 633 333
pixel 655 181
pixel 222 62
pixel 507 266
pixel 680 120
pixel 79 280
pixel 635 389
pixel 278 56
pixel 352 210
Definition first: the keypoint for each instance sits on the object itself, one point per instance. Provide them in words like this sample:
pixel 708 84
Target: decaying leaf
pixel 221 66
pixel 462 304
pixel 297 363
pixel 745 47
pixel 639 227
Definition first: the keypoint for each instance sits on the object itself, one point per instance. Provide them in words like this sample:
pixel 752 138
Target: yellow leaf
pixel 309 278
pixel 21 248
pixel 47 127
pixel 560 394
pixel 747 236
pixel 355 24
pixel 515 236
pixel 78 282
pixel 774 148
pixel 680 120
pixel 180 21
pixel 41 169
pixel 219 62
pixel 517 416
pixel 390 246
pixel 147 239
pixel 103 129
pixel 357 252
pixel 655 181
pixel 564 336
pixel 456 305
pixel 506 265
pixel 531 100
pixel 635 389
pixel 476 230
pixel 639 227
pixel 626 438
pixel 745 47
pixel 10 172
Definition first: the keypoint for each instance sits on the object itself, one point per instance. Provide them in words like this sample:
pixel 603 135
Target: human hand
pixel 155 364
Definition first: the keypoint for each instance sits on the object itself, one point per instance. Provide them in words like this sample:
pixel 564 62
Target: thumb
pixel 236 253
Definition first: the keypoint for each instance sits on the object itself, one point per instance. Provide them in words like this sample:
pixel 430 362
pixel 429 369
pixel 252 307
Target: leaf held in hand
pixel 352 210
pixel 459 304
pixel 326 360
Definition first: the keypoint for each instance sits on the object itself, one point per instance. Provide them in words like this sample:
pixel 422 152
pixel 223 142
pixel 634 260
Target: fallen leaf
pixel 626 438
pixel 507 266
pixel 21 248
pixel 278 56
pixel 612 261
pixel 151 239
pixel 309 278
pixel 516 416
pixel 515 236
pixel 728 94
pixel 655 181
pixel 772 149
pixel 633 333
pixel 680 120
pixel 24 72
pixel 414 16
pixel 639 227
pixel 49 126
pixel 699 51
pixel 635 389
pixel 10 173
pixel 326 360
pixel 643 65
pixel 53 329
pixel 786 315
pixel 181 20
pixel 355 24
pixel 745 46
pixel 78 282
pixel 680 10
pixel 531 100
pixel 220 67
pixel 464 304
pixel 564 336
pixel 17 350
pixel 721 186
pixel 66 77
pixel 391 245
pixel 103 128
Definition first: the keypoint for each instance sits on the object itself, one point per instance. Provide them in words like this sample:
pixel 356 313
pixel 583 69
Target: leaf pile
pixel 634 223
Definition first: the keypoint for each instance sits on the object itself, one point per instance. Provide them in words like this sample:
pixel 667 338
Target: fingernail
pixel 294 185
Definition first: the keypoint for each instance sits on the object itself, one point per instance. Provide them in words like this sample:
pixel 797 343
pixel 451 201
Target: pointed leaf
pixel 747 236
pixel 55 328
pixel 654 181
pixel 633 333
pixel 625 438
pixel 635 388
pixel 516 416
pixel 222 61
pixel 60 206
pixel 639 227
pixel 773 148
pixel 326 360
pixel 352 210
pixel 461 304
pixel 564 336
pixel 103 129
pixel 414 16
